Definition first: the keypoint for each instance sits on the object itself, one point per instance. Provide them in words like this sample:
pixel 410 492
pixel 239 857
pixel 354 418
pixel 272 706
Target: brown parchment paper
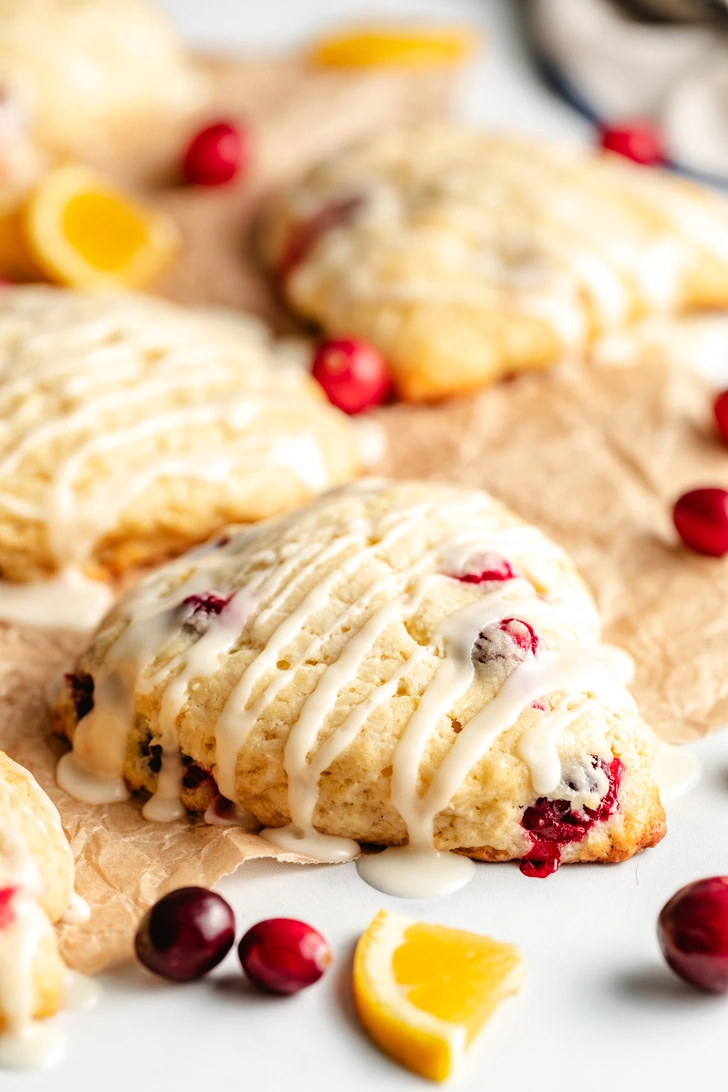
pixel 596 456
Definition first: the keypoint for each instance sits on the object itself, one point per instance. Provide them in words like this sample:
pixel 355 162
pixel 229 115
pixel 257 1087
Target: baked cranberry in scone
pixel 397 663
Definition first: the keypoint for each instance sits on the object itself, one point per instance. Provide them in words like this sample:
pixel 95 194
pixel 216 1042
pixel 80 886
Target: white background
pixel 599 1011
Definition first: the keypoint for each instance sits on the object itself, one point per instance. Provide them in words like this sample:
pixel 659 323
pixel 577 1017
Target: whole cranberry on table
pixel 352 374
pixel 701 520
pixel 185 934
pixel 720 411
pixel 693 934
pixel 216 154
pixel 637 140
pixel 282 955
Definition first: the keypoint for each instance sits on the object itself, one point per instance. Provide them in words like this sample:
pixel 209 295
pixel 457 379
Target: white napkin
pixel 619 68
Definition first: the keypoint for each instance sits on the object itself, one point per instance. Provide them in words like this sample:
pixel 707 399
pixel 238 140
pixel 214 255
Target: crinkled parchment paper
pixel 596 456
pixel 295 115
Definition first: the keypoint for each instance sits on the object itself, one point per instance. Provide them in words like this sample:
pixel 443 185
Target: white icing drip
pixel 80 991
pixel 98 371
pixel 407 873
pixel 574 666
pixel 90 788
pixel 24 926
pixel 77 912
pixel 224 813
pixel 68 601
pixel 676 770
pixel 37 1046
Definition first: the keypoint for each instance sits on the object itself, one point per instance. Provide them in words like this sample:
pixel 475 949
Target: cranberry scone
pixel 465 256
pixel 396 663
pixel 133 428
pixel 80 83
pixel 36 889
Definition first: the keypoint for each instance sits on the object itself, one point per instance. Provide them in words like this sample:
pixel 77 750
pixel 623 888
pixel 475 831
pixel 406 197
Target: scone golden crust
pixel 133 428
pixel 464 256
pixel 394 663
pixel 80 85
pixel 36 887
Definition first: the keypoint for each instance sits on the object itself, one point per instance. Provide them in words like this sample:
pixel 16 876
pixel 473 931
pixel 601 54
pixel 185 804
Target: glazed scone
pixel 464 256
pixel 99 75
pixel 395 663
pixel 36 888
pixel 132 428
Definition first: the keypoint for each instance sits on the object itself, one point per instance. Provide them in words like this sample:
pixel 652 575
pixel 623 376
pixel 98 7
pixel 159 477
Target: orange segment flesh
pixel 392 46
pixel 424 992
pixel 80 231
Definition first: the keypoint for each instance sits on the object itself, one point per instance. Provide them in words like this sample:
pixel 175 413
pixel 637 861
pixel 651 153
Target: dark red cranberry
pixel 200 610
pixel 701 519
pixel 693 934
pixel 306 233
pixel 216 154
pixel 208 603
pixel 543 861
pixel 353 375
pixel 154 762
pixel 636 140
pixel 7 913
pixel 81 689
pixel 720 410
pixel 486 568
pixel 194 775
pixel 186 934
pixel 282 955
pixel 552 823
pixel 511 640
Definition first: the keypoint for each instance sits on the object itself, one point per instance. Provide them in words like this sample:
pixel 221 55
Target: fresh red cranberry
pixel 552 824
pixel 352 374
pixel 636 140
pixel 484 568
pixel 511 640
pixel 282 955
pixel 215 155
pixel 7 913
pixel 186 934
pixel 81 688
pixel 306 233
pixel 701 519
pixel 720 410
pixel 693 934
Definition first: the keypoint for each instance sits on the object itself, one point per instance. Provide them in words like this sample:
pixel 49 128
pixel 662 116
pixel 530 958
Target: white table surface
pixel 599 1010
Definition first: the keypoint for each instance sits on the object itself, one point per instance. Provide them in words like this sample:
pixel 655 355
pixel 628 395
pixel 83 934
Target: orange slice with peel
pixel 391 46
pixel 81 231
pixel 423 992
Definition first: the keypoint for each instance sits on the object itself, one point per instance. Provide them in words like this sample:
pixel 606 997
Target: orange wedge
pixel 81 231
pixel 406 47
pixel 423 992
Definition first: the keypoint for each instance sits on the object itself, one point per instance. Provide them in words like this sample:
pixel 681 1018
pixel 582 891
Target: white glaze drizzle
pixel 82 357
pixel 502 224
pixel 67 601
pixel 27 1043
pixel 577 666
pixel 22 1043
